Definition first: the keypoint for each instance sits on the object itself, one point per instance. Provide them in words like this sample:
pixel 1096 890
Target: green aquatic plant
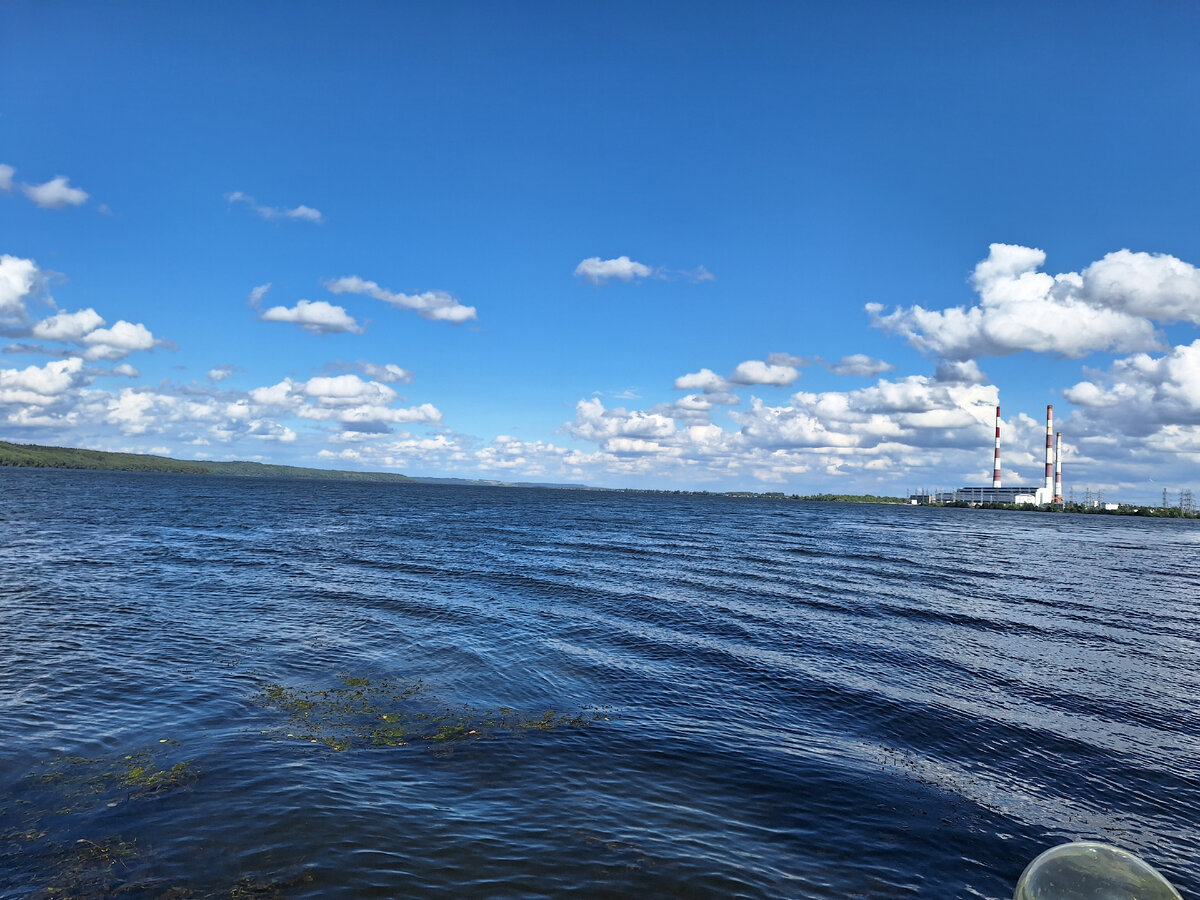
pixel 86 868
pixel 387 713
pixel 104 867
pixel 61 864
pixel 80 783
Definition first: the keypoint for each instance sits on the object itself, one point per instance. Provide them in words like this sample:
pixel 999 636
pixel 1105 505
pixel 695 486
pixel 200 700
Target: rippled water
pixel 781 699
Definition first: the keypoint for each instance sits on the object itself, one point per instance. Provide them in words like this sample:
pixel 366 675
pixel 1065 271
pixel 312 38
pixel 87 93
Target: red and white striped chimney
pixel 996 458
pixel 1058 497
pixel 1048 486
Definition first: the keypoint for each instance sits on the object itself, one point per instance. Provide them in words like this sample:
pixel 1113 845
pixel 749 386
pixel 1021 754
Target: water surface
pixel 750 698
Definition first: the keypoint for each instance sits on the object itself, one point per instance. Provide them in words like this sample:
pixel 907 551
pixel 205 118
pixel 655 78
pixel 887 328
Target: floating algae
pixel 386 713
pixel 84 781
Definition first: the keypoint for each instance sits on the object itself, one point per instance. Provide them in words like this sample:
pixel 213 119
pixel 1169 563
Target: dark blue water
pixel 774 699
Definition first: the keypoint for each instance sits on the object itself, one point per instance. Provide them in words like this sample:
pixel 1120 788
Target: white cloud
pixel 1156 286
pixel 68 326
pixel 55 193
pixel 38 386
pixel 755 371
pixel 860 365
pixel 6 177
pixel 257 294
pixel 1142 393
pixel 867 437
pixel 297 213
pixel 18 277
pixel 1109 307
pixel 597 270
pixel 433 305
pixel 348 389
pixel 220 373
pixel 705 380
pixel 116 342
pixel 357 404
pixel 594 423
pixel 316 317
pixel 389 373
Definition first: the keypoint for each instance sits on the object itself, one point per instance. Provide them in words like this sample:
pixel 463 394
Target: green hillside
pixel 35 456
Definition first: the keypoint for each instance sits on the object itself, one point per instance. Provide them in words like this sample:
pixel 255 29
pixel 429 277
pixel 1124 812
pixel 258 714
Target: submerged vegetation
pixel 67 791
pixel 363 713
pixel 62 827
pixel 132 776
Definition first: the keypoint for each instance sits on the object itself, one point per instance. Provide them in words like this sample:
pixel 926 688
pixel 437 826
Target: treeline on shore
pixel 824 498
pixel 36 456
pixel 1150 512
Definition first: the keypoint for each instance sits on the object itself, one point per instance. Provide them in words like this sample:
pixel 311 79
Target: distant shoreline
pixel 37 456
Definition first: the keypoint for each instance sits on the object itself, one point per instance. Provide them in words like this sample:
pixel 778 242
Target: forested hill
pixel 32 455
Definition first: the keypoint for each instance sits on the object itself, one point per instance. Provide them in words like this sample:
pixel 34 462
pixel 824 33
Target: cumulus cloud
pixel 705 380
pixel 612 428
pixel 56 193
pixel 6 177
pixel 860 365
pixel 916 424
pixel 434 305
pixel 257 294
pixel 220 373
pixel 755 371
pixel 598 271
pixel 348 389
pixel 38 386
pixel 18 278
pixel 297 213
pixel 1111 306
pixel 117 342
pixel 68 326
pixel 1153 285
pixel 84 328
pixel 315 317
pixel 355 403
pixel 1142 393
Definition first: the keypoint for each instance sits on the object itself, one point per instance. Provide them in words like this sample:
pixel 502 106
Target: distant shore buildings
pixel 1049 493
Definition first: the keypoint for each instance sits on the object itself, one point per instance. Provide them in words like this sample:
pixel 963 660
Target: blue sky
pixel 709 246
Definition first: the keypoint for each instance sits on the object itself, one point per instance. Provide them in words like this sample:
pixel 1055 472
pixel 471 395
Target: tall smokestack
pixel 996 458
pixel 1049 483
pixel 1058 497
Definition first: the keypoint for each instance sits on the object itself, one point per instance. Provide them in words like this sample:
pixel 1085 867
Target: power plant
pixel 1050 491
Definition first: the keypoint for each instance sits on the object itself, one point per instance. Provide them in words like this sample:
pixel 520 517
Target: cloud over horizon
pixel 1112 305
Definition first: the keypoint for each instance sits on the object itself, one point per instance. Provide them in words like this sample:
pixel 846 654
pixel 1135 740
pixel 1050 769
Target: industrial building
pixel 1050 491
